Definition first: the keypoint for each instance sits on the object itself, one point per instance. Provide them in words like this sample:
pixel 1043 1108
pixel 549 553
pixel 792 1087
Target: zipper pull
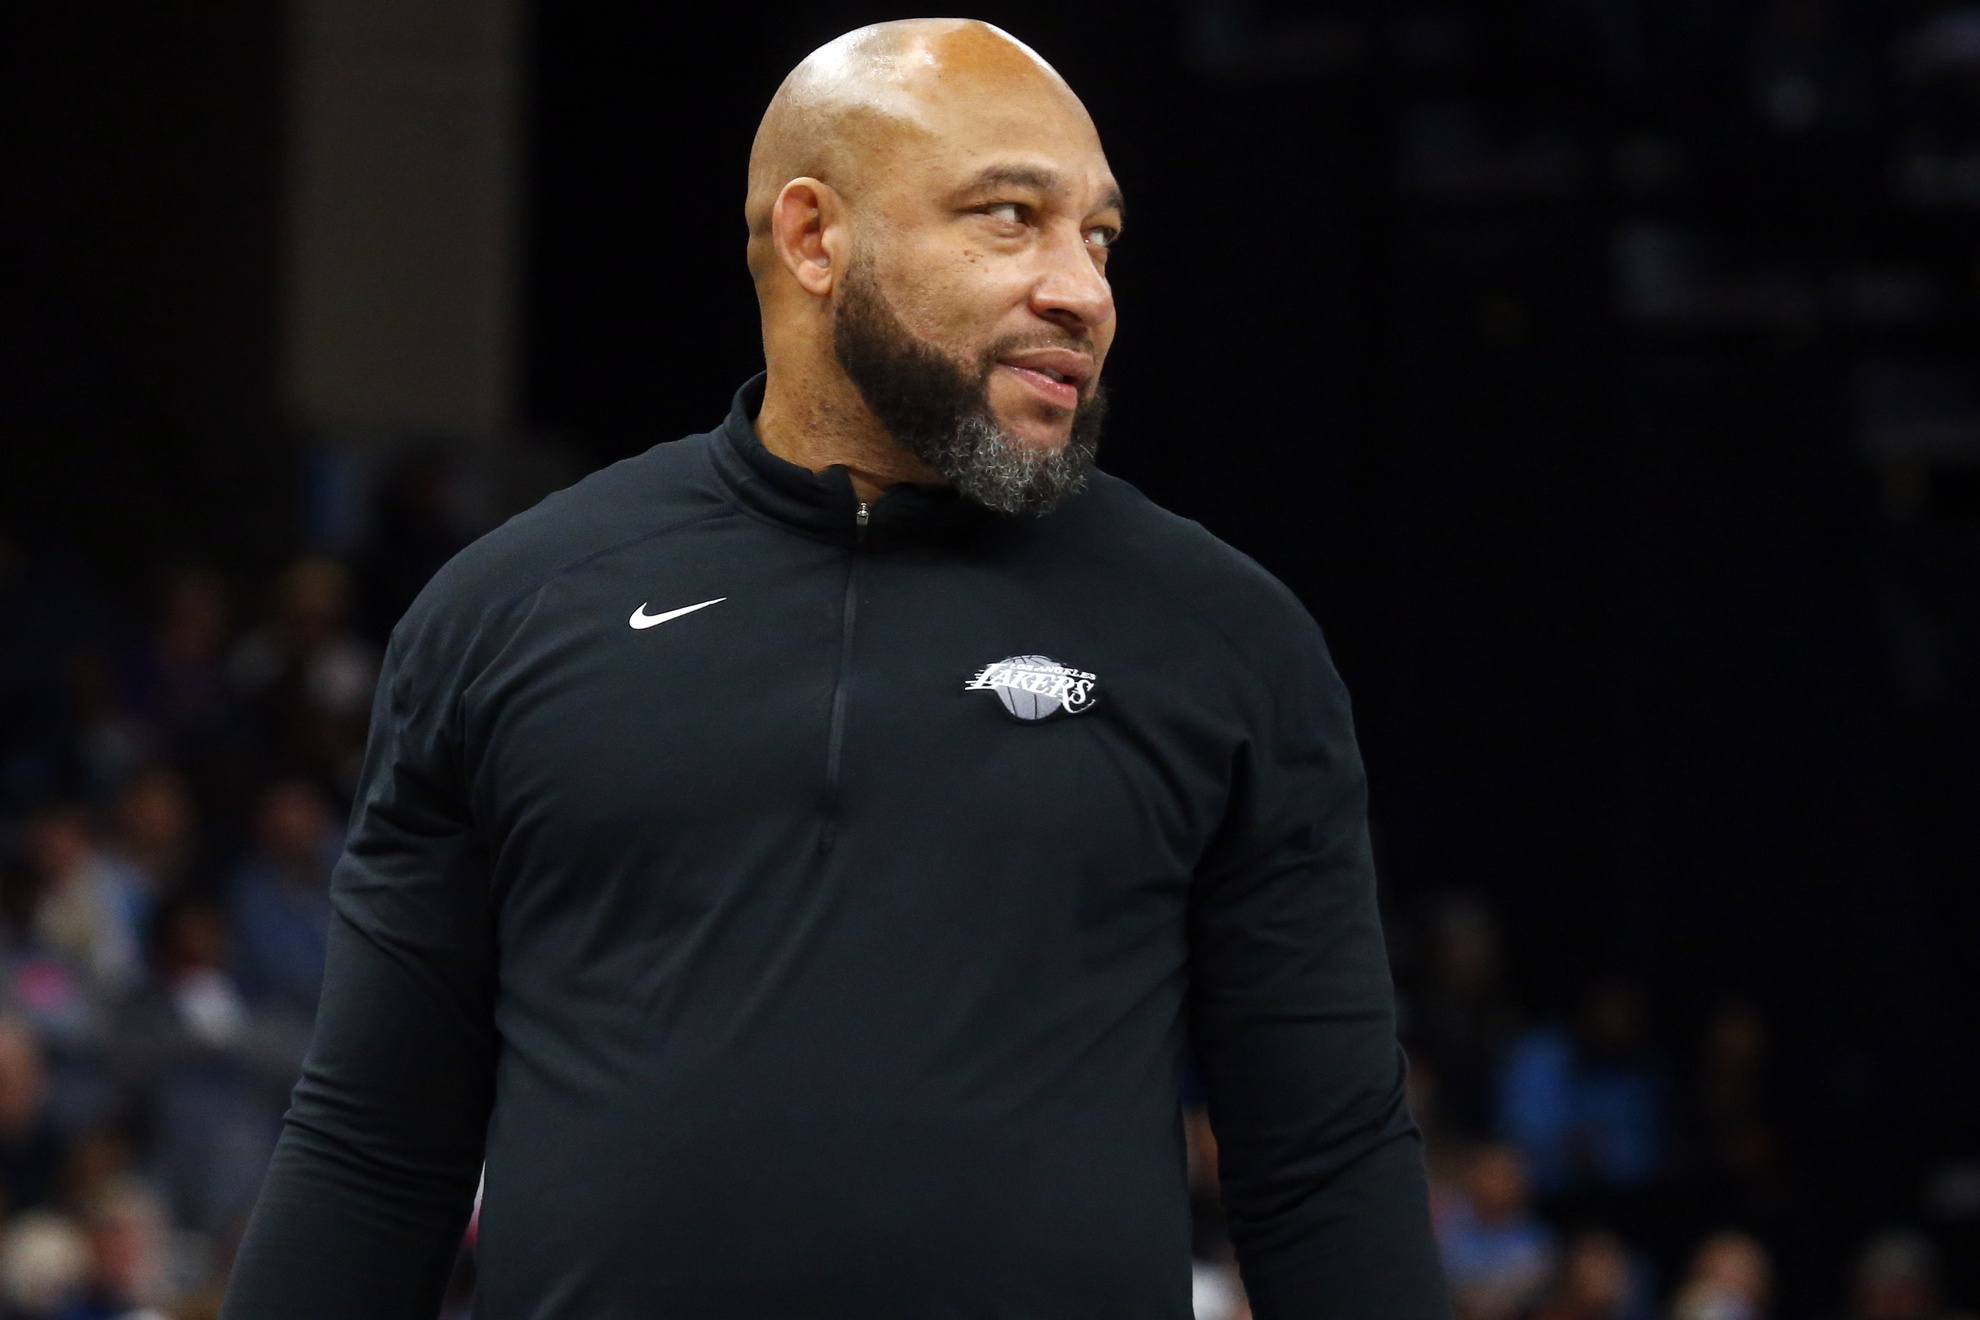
pixel 860 520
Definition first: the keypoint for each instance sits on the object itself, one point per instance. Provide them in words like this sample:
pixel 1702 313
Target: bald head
pixel 930 215
pixel 862 100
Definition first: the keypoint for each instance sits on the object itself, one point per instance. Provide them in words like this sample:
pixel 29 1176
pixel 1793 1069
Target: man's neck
pixel 818 420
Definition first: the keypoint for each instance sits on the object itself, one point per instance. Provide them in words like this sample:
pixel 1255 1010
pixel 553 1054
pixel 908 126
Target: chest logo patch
pixel 1037 687
pixel 641 619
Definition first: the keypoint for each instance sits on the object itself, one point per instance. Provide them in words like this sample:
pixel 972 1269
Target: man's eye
pixel 1102 237
pixel 1008 212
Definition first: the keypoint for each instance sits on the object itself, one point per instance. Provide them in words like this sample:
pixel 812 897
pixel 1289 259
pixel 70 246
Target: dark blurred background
pixel 1603 374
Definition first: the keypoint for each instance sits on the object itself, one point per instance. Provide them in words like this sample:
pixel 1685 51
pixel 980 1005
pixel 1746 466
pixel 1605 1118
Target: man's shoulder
pixel 642 496
pixel 1182 561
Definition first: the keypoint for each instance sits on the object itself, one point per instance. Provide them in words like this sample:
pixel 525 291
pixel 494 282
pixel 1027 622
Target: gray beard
pixel 937 411
pixel 1001 472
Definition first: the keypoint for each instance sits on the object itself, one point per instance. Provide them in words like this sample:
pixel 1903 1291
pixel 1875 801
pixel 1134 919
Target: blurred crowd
pixel 174 780
pixel 1580 1170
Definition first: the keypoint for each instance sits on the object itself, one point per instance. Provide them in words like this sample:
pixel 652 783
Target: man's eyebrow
pixel 1034 176
pixel 1016 176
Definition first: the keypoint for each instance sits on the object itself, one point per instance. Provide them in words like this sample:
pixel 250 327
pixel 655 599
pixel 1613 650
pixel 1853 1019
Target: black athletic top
pixel 802 907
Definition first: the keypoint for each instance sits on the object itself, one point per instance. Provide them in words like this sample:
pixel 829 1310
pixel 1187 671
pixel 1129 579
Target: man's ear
pixel 807 227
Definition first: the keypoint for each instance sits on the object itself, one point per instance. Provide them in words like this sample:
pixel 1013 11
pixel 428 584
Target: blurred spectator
pixel 130 1267
pixel 281 896
pixel 111 744
pixel 180 680
pixel 308 676
pixel 1597 1281
pixel 39 984
pixel 1734 1112
pixel 91 907
pixel 179 684
pixel 1587 1106
pixel 30 1150
pixel 51 989
pixel 155 833
pixel 98 1159
pixel 1734 1166
pixel 1210 1239
pixel 1731 1278
pixel 1897 1278
pixel 44 1265
pixel 1497 1254
pixel 214 1071
pixel 1216 1292
pixel 1464 1018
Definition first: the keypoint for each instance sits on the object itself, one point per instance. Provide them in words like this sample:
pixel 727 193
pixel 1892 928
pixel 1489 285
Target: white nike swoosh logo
pixel 641 619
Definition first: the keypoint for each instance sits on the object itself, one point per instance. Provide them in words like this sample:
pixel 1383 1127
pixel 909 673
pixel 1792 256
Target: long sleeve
pixel 1293 1023
pixel 371 1185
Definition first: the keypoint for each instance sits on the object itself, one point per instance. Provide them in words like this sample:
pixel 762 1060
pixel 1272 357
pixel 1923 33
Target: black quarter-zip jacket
pixel 709 882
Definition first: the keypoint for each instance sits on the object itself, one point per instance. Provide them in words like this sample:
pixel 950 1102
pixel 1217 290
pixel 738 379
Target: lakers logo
pixel 1037 687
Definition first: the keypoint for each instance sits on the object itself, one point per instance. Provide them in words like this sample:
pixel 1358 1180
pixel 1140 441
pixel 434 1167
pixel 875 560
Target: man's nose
pixel 1072 291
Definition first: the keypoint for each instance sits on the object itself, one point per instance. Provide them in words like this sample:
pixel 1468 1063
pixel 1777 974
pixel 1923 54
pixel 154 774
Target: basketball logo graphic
pixel 1036 687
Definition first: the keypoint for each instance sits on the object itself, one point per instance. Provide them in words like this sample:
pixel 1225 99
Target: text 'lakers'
pixel 1036 687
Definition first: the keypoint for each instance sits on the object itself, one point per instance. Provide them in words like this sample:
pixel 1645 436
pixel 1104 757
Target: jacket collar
pixel 823 504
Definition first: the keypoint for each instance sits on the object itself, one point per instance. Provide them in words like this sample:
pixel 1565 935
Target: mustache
pixel 1045 339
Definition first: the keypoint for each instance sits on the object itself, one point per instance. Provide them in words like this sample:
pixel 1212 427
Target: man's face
pixel 979 278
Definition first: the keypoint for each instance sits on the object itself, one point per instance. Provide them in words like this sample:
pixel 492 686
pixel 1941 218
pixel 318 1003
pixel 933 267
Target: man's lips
pixel 1057 375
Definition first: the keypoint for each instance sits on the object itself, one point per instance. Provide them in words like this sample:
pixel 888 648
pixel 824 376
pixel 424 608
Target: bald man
pixel 796 861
